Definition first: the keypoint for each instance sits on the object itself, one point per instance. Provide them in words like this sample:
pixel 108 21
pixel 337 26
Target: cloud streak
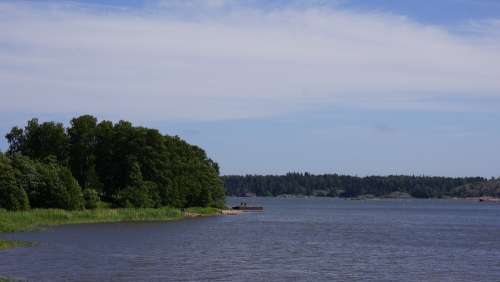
pixel 239 62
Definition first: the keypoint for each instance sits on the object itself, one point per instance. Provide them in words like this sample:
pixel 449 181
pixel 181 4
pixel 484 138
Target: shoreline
pixel 370 197
pixel 15 221
pixel 36 219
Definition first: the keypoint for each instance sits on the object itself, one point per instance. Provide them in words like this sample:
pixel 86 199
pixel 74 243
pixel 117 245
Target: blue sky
pixel 355 87
pixel 446 12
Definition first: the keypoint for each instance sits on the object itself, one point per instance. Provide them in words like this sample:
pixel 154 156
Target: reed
pixel 7 244
pixel 38 218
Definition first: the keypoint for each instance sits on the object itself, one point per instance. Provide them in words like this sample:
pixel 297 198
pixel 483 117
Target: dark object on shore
pixel 244 207
pixel 489 199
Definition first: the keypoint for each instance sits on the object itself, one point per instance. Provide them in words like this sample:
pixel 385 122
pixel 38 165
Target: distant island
pixel 101 172
pixel 334 185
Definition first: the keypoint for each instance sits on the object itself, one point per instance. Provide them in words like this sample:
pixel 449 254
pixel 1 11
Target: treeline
pixel 490 188
pixel 50 166
pixel 334 185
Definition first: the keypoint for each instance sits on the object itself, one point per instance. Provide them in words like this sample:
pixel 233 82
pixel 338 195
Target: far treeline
pixel 50 166
pixel 334 185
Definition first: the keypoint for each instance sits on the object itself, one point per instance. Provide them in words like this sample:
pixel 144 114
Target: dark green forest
pixel 50 166
pixel 334 185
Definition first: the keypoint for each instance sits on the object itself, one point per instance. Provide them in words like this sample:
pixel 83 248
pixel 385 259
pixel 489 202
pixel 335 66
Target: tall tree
pixel 83 139
pixel 39 141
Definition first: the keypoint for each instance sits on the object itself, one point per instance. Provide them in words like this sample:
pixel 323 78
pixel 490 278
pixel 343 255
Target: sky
pixel 266 87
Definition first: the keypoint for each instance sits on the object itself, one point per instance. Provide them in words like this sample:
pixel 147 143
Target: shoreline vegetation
pixel 14 221
pixel 17 221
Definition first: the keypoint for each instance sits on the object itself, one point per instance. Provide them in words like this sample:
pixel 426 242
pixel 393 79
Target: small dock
pixel 230 212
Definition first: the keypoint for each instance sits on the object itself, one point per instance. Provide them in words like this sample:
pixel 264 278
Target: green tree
pixel 39 141
pixel 140 193
pixel 83 139
pixel 109 158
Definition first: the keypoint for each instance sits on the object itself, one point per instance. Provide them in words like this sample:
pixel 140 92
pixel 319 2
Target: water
pixel 293 240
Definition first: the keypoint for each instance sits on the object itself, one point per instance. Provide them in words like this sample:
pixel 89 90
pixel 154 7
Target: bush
pixel 91 198
pixel 48 185
pixel 72 193
pixel 28 176
pixel 140 194
pixel 12 196
pixel 144 195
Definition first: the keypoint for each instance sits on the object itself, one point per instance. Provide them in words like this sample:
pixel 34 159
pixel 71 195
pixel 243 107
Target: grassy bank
pixel 203 211
pixel 36 218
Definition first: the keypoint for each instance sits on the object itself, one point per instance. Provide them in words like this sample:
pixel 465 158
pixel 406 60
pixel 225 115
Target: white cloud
pixel 242 62
pixel 190 4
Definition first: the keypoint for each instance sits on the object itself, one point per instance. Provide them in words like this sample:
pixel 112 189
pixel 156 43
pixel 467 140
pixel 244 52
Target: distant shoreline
pixel 371 197
pixel 348 186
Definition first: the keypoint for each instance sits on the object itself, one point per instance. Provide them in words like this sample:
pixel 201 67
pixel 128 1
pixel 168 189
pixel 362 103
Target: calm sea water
pixel 293 240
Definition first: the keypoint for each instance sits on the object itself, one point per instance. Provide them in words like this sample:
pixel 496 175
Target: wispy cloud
pixel 164 62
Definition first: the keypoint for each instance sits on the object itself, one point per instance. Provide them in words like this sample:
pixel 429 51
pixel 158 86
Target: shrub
pixel 48 185
pixel 91 198
pixel 27 174
pixel 12 196
pixel 143 195
pixel 71 190
pixel 140 193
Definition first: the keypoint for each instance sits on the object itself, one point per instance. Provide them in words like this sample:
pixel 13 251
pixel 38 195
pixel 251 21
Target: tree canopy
pixel 123 164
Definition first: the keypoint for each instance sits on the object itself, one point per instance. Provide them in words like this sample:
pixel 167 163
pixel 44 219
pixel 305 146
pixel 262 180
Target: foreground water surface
pixel 311 239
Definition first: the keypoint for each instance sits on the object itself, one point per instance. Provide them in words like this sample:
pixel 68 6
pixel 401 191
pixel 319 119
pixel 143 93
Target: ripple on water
pixel 293 240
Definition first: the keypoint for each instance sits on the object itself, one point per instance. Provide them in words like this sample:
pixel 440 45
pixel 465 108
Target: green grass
pixel 37 218
pixel 12 221
pixel 203 211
